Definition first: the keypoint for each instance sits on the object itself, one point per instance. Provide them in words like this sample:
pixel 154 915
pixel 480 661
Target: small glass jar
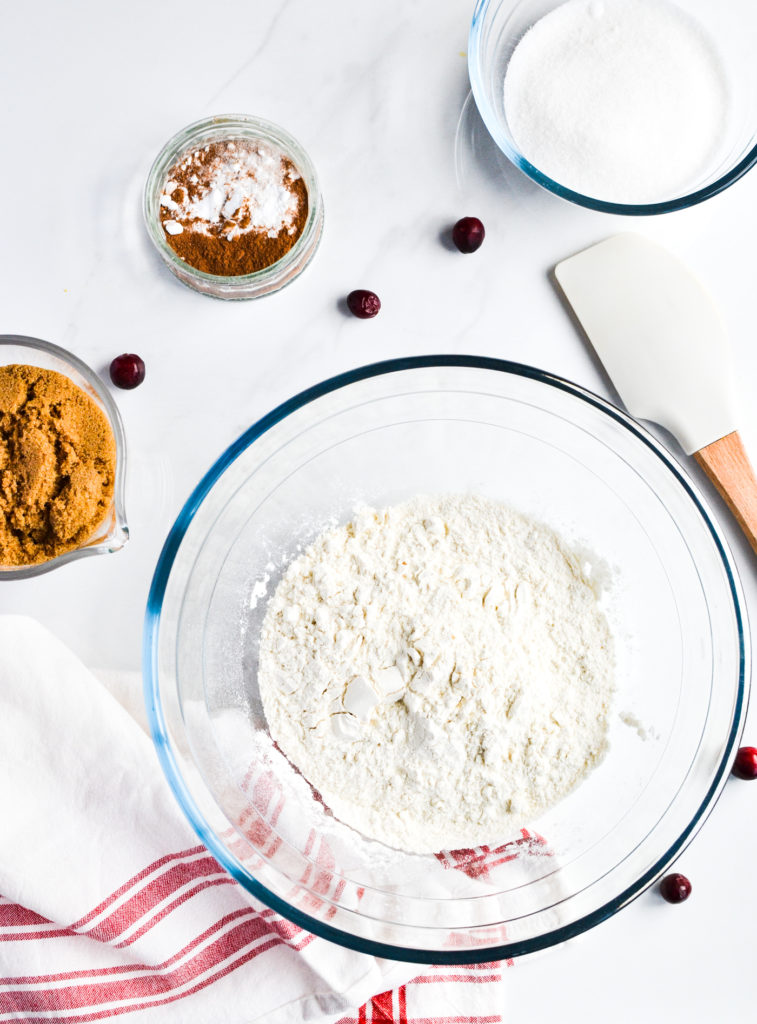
pixel 113 531
pixel 222 128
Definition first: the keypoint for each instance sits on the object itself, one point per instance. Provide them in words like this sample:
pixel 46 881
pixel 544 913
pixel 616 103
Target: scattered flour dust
pixel 440 671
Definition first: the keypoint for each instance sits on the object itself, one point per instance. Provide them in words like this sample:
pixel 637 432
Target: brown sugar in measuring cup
pixel 57 465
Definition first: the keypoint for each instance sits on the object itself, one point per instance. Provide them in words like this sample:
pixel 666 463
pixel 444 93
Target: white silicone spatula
pixel 664 346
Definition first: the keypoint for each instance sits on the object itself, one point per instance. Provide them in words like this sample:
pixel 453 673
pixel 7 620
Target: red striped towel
pixel 111 908
pixel 441 995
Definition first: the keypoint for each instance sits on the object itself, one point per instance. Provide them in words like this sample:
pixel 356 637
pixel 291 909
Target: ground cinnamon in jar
pixel 233 207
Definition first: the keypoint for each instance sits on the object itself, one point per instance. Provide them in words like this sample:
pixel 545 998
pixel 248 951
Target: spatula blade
pixel 658 334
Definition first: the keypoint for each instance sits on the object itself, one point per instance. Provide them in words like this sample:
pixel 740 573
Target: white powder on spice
pixel 236 187
pixel 621 100
pixel 440 671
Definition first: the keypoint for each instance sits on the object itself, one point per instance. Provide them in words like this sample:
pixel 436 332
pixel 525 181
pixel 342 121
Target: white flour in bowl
pixel 440 671
pixel 621 100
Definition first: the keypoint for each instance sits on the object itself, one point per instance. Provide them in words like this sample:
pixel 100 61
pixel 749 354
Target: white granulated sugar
pixel 621 100
pixel 440 671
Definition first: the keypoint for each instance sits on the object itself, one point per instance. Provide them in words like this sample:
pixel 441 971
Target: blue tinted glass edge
pixel 157 721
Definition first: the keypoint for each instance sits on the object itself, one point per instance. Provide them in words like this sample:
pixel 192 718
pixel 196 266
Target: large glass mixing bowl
pixel 547 448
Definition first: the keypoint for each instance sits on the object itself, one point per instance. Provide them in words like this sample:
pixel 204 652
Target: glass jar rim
pixel 231 126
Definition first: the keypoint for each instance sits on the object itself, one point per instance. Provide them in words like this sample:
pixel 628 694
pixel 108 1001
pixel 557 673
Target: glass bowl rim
pixel 518 160
pixel 228 122
pixel 120 534
pixel 159 730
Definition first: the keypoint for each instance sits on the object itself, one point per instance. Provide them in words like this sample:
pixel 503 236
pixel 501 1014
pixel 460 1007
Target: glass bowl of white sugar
pixel 624 106
pixel 446 441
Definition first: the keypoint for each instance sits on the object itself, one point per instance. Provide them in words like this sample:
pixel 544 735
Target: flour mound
pixel 440 671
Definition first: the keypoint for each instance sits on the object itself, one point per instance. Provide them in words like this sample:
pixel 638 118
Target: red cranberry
pixel 127 371
pixel 468 234
pixel 745 765
pixel 675 888
pixel 363 304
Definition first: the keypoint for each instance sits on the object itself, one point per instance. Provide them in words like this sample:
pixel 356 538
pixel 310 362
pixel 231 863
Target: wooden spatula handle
pixel 725 462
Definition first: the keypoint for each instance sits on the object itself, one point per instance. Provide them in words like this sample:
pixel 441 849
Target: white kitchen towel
pixel 109 906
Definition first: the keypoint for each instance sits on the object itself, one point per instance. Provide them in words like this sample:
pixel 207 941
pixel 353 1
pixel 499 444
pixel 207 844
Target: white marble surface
pixel 377 94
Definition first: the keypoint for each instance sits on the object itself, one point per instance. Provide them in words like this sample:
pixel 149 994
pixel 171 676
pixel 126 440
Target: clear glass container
pixel 499 25
pixel 450 424
pixel 113 531
pixel 228 127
